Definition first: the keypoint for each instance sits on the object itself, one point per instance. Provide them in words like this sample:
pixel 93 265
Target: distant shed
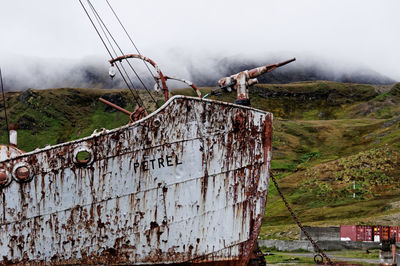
pixel 322 233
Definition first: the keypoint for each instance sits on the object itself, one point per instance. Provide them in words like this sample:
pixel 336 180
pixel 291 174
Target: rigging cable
pixel 94 26
pixel 134 45
pixel 122 66
pixel 103 26
pixel 116 43
pixel 4 102
pixel 108 50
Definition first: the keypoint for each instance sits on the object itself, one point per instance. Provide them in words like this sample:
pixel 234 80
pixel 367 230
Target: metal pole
pixel 354 189
pixel 4 102
pixel 115 106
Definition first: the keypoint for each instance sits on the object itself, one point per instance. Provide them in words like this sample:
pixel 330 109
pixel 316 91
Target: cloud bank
pixel 52 44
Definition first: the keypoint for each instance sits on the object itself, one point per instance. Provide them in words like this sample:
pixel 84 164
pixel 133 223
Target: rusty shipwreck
pixel 185 184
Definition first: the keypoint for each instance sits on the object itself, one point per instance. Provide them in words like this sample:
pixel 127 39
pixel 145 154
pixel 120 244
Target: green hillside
pixel 57 115
pixel 327 136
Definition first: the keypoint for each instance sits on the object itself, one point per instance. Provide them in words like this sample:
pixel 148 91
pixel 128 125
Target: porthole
pixel 83 156
pixel 156 123
pixel 4 177
pixel 22 172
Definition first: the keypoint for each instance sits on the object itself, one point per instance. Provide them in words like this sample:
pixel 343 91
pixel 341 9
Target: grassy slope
pixel 326 135
pixel 317 162
pixel 58 115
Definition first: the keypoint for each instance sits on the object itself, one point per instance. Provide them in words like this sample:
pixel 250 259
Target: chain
pixel 319 250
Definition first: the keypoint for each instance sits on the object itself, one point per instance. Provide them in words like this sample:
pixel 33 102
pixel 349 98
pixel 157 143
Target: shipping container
pixel 360 236
pixel 377 233
pixel 369 236
pixel 348 233
pixel 393 231
pixel 385 235
pixel 398 235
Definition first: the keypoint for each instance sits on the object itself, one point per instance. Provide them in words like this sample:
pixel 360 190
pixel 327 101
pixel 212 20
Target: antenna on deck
pixel 4 103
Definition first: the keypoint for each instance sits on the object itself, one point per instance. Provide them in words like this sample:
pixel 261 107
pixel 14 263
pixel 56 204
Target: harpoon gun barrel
pixel 255 72
pixel 242 80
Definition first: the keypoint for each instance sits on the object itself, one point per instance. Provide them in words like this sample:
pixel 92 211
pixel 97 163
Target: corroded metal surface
pixel 187 183
pixel 242 80
pixel 115 106
pixel 159 72
pixel 138 114
pixel 194 87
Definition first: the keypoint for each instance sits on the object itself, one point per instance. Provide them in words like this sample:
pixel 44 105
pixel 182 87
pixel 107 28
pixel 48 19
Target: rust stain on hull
pixel 187 184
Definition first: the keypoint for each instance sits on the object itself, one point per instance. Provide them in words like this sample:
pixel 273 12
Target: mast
pixel 4 103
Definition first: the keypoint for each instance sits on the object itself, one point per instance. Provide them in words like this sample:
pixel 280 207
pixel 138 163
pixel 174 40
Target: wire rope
pixel 127 34
pixel 122 66
pixel 118 46
pixel 109 52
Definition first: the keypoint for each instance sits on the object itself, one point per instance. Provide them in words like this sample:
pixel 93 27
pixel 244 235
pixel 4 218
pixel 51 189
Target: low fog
pixel 49 44
pixel 93 72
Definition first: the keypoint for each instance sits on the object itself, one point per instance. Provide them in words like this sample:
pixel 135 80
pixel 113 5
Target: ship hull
pixel 187 184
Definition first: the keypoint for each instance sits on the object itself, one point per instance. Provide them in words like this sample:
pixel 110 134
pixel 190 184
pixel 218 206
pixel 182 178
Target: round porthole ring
pixel 83 149
pixel 19 165
pixel 9 179
pixel 156 123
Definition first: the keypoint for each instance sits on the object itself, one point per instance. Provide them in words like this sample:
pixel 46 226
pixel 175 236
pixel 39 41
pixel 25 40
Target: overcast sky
pixel 349 32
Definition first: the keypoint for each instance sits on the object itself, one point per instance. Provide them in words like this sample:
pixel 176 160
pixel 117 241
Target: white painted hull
pixel 186 184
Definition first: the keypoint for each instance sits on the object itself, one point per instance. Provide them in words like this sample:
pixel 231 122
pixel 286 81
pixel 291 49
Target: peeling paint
pixel 186 184
pixel 242 80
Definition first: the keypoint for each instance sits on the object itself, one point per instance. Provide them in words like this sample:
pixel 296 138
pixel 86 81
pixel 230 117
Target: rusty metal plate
pixel 188 183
